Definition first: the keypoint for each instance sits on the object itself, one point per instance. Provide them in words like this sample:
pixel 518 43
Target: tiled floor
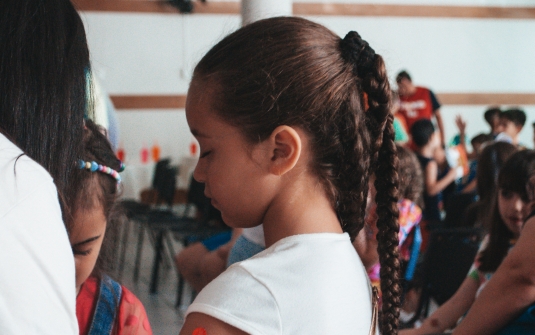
pixel 163 316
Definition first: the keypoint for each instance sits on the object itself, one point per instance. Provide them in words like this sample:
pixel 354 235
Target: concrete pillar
pixel 254 10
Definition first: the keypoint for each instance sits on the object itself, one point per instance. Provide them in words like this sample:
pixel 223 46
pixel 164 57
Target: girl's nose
pixel 519 204
pixel 198 173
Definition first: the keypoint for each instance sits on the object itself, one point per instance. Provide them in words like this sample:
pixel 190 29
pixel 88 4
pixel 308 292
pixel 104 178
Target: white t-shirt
pixel 303 284
pixel 37 279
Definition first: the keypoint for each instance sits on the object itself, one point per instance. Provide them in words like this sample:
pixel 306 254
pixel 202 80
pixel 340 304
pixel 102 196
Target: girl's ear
pixel 285 149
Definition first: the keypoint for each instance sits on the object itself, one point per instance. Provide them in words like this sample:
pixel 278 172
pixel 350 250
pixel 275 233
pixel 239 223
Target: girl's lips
pixel 517 220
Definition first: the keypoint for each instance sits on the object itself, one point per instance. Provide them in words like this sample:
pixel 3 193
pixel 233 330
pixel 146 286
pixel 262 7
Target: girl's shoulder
pixel 132 317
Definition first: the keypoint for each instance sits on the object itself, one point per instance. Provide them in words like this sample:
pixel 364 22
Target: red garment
pixel 131 319
pixel 418 106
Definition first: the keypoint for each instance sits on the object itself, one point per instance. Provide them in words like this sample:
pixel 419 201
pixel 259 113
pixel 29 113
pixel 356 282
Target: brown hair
pixel 513 177
pixel 291 71
pixel 97 189
pixel 489 165
pixel 411 180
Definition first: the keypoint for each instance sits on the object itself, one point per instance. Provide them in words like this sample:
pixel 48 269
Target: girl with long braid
pixel 291 120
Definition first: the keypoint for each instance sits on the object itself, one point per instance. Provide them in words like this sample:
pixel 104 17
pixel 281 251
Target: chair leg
pixel 153 236
pixel 170 250
pixel 156 263
pixel 179 291
pixel 124 243
pixel 181 281
pixel 138 252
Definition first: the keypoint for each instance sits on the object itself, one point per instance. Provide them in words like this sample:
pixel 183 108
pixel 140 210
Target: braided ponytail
pixel 372 80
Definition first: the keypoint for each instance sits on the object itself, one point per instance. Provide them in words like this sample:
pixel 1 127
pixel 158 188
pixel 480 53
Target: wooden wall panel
pixel 148 101
pixel 125 102
pixel 414 11
pixel 487 98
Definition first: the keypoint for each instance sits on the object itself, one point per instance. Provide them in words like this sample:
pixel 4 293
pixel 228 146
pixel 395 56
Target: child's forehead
pixel 88 222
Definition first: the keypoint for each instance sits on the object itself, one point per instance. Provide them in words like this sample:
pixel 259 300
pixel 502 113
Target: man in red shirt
pixel 418 103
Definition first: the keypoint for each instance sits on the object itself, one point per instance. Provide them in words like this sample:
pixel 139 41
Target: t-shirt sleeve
pixel 240 300
pixel 434 101
pixel 37 265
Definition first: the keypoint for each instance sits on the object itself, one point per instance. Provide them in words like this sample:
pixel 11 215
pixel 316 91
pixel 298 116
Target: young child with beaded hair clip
pixel 291 119
pixel 103 306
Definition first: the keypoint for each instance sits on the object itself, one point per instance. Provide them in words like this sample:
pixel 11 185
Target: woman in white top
pixel 44 61
pixel 291 119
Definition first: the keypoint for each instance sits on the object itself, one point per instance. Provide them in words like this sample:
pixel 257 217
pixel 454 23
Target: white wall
pixel 156 53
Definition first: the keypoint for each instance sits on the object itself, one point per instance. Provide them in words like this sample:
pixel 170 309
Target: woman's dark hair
pixel 99 190
pixel 43 65
pixel 411 180
pixel 291 71
pixel 514 177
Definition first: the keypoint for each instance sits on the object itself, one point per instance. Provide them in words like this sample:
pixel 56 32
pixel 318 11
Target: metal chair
pixel 162 223
pixel 449 256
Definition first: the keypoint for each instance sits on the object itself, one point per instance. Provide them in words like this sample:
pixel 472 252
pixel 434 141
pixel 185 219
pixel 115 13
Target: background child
pixel 279 110
pixel 512 121
pixel 492 116
pixel 427 144
pixel 200 262
pixel 508 214
pixel 468 183
pixel 490 162
pixel 103 306
pixel 410 213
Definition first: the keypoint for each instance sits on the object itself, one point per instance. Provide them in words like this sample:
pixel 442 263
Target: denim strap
pixel 107 306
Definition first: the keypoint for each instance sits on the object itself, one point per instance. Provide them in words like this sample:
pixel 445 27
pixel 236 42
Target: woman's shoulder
pixel 20 176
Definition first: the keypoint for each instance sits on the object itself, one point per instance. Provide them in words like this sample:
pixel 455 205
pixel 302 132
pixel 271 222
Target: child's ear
pixel 285 150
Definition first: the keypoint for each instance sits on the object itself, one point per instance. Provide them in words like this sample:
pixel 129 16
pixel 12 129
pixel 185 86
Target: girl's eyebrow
pixel 197 133
pixel 86 241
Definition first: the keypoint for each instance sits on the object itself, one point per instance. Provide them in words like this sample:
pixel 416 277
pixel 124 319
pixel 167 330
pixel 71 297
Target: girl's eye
pixel 506 194
pixel 81 253
pixel 204 154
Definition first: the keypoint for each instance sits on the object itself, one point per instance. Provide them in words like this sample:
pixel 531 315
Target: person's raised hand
pixel 461 124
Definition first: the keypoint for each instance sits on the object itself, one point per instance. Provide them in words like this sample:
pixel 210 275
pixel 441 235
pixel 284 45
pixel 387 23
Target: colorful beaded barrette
pixel 94 166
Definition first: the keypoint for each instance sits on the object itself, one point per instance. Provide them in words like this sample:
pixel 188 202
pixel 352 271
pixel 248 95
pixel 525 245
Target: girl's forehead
pixel 87 222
